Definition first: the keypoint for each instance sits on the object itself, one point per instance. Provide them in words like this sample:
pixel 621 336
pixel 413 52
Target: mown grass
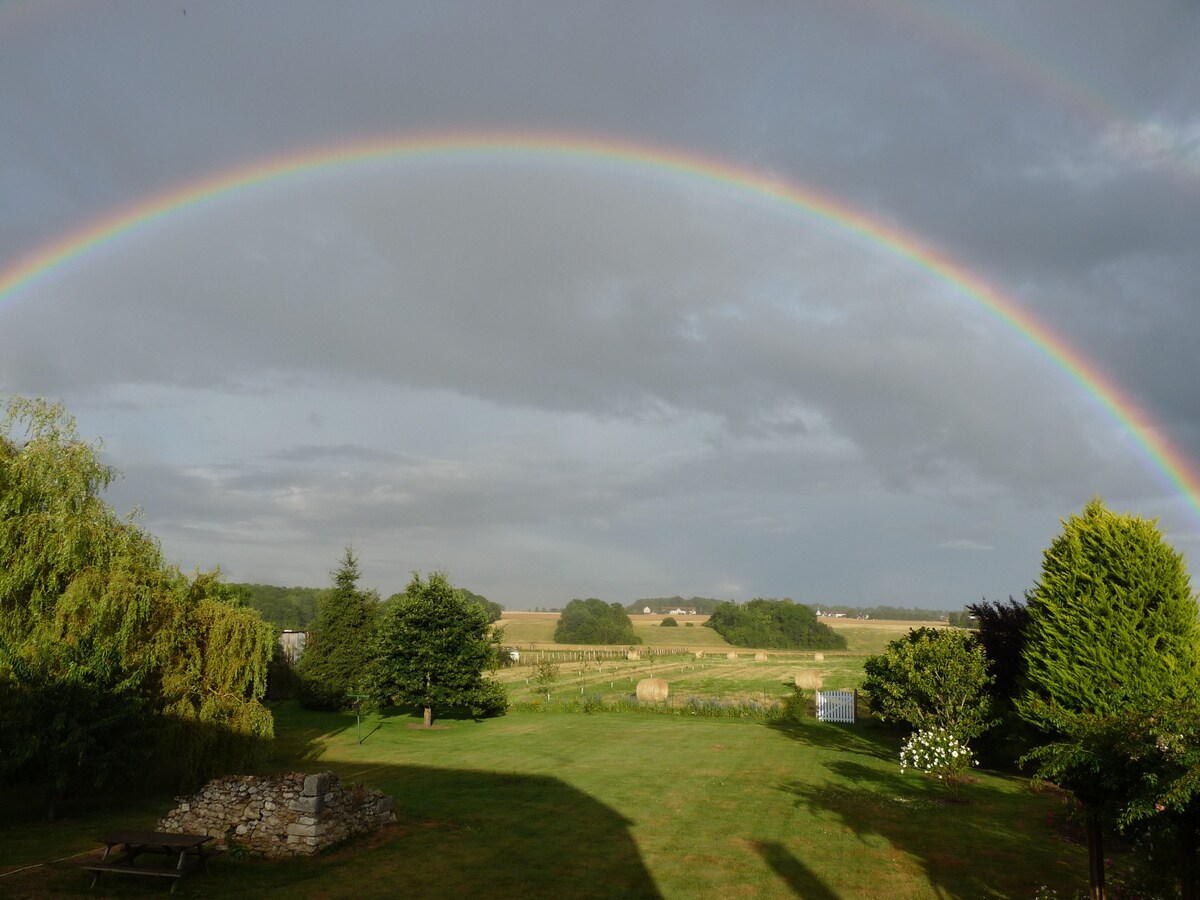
pixel 547 804
pixel 615 805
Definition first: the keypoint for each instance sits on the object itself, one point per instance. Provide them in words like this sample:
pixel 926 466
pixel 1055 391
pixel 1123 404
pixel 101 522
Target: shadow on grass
pixel 799 877
pixel 868 740
pixel 956 841
pixel 460 833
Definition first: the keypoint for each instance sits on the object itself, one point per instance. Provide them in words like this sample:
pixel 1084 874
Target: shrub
pixel 938 752
pixel 669 622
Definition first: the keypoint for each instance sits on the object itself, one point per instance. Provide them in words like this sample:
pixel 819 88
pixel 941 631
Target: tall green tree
pixel 338 650
pixel 432 649
pixel 1113 633
pixel 110 660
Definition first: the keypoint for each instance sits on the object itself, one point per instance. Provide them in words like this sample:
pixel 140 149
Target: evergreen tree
pixel 1112 634
pixel 432 647
pixel 337 652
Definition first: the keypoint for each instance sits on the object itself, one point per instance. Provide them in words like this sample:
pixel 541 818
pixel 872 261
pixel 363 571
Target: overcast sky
pixel 557 377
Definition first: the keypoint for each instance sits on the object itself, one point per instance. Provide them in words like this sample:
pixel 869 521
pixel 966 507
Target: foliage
pixel 593 621
pixel 1001 632
pixel 287 608
pixel 432 649
pixel 1112 621
pixel 938 752
pixel 773 623
pixel 934 677
pixel 495 611
pixel 668 622
pixel 1111 649
pixel 544 673
pixel 108 656
pixel 338 650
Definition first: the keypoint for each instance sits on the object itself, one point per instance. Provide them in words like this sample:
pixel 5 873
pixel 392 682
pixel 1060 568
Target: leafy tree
pixel 1001 632
pixel 545 673
pixel 773 623
pixel 593 621
pixel 432 649
pixel 338 650
pixel 1113 637
pixel 287 608
pixel 932 678
pixel 109 658
pixel 668 622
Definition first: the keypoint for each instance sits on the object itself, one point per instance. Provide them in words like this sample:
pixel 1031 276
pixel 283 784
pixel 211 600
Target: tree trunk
pixel 428 716
pixel 1095 840
pixel 1185 846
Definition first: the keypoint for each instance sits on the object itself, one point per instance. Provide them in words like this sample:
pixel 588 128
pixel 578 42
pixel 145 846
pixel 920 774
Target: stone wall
pixel 295 814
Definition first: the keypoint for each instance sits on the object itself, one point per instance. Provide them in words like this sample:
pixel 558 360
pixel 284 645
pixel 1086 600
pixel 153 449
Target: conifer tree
pixel 1112 633
pixel 337 652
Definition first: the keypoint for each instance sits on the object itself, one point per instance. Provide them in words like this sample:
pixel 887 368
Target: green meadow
pixel 540 803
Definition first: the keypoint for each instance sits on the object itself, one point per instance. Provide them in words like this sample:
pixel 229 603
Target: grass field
pixel 551 804
pixel 615 805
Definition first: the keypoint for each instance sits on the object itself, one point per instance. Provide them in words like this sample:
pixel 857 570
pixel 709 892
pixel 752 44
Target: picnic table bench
pixel 187 848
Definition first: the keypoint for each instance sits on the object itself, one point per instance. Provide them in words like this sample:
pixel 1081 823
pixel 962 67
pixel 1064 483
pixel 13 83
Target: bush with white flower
pixel 938 752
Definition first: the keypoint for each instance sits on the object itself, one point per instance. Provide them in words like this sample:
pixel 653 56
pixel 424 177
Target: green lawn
pixel 613 805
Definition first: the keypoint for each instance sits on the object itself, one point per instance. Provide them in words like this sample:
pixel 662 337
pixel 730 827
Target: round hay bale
pixel 818 657
pixel 652 690
pixel 809 679
pixel 633 655
pixel 699 654
pixel 731 655
pixel 760 657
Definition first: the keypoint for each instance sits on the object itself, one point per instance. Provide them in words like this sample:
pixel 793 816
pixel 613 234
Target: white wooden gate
pixel 836 706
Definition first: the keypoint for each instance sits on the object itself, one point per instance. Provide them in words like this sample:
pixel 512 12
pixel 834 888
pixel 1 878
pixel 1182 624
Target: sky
pixel 847 302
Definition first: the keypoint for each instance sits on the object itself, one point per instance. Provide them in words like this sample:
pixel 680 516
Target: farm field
pixel 614 805
pixel 605 673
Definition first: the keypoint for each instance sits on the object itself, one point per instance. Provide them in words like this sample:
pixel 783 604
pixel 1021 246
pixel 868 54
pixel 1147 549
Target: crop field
pixel 692 660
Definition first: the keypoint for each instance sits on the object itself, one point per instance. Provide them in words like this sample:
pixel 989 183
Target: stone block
pixel 306 805
pixel 319 785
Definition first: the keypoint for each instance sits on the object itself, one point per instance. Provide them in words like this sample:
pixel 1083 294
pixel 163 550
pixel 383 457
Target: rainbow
pixel 634 158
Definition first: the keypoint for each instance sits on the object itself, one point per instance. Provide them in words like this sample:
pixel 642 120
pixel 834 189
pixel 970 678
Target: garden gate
pixel 836 706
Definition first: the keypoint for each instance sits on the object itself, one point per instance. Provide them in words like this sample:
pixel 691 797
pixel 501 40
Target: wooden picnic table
pixel 187 848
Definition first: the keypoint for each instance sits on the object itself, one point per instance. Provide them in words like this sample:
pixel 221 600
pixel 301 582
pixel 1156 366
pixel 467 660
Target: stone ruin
pixel 279 816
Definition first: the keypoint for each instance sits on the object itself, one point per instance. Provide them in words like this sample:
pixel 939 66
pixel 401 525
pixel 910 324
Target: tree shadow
pixel 869 739
pixel 956 841
pixel 799 877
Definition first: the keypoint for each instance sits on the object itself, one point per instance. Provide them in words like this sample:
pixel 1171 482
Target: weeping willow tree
pixel 111 661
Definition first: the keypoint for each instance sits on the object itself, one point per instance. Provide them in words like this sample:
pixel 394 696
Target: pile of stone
pixel 294 814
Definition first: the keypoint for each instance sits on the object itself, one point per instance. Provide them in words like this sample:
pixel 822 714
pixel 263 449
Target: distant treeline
pixel 287 608
pixel 703 606
pixel 295 608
